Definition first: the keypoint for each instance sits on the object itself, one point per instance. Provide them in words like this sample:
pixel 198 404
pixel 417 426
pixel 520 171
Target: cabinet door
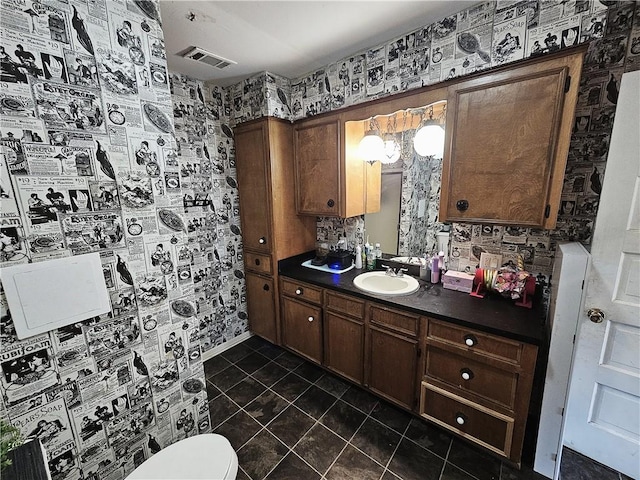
pixel 391 369
pixel 261 306
pixel 317 161
pixel 252 169
pixel 302 328
pixel 508 141
pixel 344 346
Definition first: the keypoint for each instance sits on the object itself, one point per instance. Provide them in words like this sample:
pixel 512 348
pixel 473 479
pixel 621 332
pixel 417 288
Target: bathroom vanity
pixel 463 363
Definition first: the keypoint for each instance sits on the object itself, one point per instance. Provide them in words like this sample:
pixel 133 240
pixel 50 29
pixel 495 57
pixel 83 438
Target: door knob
pixel 595 315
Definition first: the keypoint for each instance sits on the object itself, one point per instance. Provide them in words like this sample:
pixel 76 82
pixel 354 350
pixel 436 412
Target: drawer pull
pixel 262 240
pixel 466 374
pixel 265 287
pixel 470 340
pixel 257 260
pixel 461 419
pixel 299 291
pixel 310 319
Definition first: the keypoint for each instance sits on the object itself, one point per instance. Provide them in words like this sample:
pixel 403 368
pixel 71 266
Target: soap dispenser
pixel 358 257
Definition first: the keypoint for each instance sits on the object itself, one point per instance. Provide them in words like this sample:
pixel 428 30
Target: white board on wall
pixel 48 295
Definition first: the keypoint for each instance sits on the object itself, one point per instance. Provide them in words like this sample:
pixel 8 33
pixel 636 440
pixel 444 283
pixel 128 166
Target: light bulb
pixel 429 141
pixel 371 147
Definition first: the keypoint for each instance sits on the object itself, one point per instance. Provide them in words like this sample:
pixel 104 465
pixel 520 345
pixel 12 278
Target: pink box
pixel 460 281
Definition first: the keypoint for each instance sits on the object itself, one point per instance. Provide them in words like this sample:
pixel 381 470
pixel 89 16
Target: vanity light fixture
pixel 429 139
pixel 371 147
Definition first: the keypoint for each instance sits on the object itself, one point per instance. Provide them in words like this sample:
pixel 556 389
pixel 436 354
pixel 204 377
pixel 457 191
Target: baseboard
pixel 225 346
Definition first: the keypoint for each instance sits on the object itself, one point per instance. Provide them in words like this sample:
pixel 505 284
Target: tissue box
pixel 460 281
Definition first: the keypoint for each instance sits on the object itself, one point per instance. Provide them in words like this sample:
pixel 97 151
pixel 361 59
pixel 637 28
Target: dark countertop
pixel 493 314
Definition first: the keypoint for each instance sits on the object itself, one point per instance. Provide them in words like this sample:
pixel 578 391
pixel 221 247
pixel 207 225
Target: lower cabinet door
pixel 261 306
pixel 302 328
pixel 391 370
pixel 344 346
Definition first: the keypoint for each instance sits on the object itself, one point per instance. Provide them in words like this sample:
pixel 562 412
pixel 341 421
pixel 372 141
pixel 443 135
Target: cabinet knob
pixel 466 374
pixel 310 319
pixel 331 203
pixel 470 340
pixel 257 261
pixel 461 419
pixel 265 287
pixel 262 241
pixel 299 291
pixel 462 205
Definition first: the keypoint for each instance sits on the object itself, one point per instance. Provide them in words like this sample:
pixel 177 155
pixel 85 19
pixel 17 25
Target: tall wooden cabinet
pixel 271 228
pixel 508 135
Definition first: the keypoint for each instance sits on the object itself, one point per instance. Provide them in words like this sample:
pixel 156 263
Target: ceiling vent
pixel 200 55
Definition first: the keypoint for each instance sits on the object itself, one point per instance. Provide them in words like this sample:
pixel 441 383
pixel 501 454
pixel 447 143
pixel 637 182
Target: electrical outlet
pixel 490 260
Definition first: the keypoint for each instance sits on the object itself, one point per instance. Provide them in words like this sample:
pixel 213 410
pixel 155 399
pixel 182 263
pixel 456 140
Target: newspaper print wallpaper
pixel 486 35
pixel 103 150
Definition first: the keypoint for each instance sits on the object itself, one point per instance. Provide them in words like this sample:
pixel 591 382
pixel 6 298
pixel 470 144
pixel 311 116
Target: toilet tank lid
pixel 207 456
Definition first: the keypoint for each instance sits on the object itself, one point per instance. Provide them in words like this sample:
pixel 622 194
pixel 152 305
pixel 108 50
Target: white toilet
pixel 208 457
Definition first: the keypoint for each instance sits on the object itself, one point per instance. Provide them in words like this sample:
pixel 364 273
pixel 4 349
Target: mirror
pixel 406 224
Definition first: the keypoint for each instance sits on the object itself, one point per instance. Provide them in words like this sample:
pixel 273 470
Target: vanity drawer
pixel 467 375
pixel 258 262
pixel 302 291
pixel 394 320
pixel 345 305
pixel 475 341
pixel 473 422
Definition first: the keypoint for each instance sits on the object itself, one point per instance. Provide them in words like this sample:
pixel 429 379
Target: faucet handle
pixel 401 271
pixel 390 271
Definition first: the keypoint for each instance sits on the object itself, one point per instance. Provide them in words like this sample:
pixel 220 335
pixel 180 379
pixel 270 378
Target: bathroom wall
pixel 90 112
pixel 432 54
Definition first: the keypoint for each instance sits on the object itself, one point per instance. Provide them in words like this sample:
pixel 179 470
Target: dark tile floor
pixel 575 466
pixel 289 419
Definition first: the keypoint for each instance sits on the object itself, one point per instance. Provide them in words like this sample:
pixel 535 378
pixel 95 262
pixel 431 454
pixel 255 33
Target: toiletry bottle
pixel 358 257
pixel 441 263
pixel 371 258
pixel 378 251
pixel 435 269
pixel 425 273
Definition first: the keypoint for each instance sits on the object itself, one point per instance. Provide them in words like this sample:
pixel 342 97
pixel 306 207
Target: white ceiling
pixel 289 38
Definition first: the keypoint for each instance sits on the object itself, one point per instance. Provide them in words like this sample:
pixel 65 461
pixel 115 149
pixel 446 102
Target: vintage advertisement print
pixel 93 232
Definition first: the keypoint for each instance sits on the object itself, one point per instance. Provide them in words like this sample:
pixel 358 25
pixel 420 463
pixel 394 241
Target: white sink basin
pixel 379 283
pixel 408 260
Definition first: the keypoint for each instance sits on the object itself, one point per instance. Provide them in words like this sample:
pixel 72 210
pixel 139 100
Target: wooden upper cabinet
pixel 318 175
pixel 253 174
pixel 508 137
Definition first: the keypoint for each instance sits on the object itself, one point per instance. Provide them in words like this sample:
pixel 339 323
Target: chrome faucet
pixel 392 272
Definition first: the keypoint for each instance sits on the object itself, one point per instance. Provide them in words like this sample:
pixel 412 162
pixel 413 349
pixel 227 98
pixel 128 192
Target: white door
pixel 602 418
